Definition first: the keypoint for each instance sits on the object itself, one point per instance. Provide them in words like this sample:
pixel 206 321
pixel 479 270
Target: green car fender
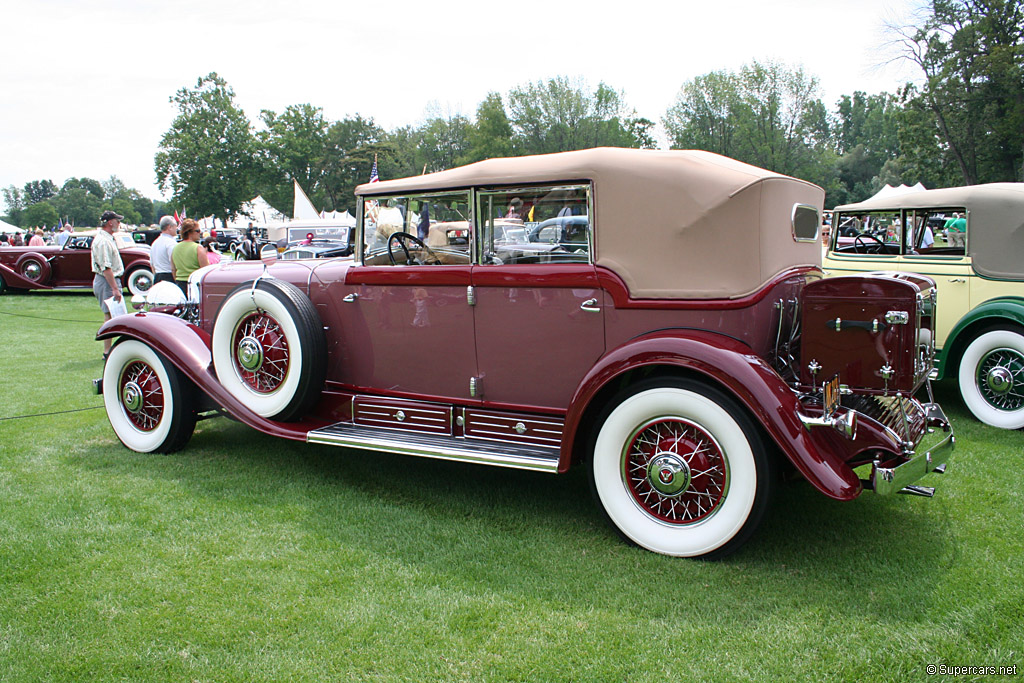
pixel 1004 309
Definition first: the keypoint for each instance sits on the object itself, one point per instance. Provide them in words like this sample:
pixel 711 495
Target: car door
pixel 938 255
pixel 409 325
pixel 538 313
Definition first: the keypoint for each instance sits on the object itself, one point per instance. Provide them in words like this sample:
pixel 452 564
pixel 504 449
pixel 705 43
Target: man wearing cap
pixel 160 253
pixel 106 266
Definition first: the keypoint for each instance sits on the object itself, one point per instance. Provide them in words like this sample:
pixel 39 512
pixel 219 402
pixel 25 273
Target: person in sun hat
pixel 107 266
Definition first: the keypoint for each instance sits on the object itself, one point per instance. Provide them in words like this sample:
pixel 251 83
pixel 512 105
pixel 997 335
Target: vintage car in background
pixel 977 263
pixel 54 267
pixel 683 370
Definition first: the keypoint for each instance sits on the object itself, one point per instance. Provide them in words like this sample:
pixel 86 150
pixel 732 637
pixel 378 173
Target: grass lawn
pixel 245 558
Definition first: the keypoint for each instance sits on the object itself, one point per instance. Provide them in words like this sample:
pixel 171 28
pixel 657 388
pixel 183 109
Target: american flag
pixel 373 172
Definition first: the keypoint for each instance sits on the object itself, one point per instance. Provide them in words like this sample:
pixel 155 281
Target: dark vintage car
pixel 318 249
pixel 54 267
pixel 687 355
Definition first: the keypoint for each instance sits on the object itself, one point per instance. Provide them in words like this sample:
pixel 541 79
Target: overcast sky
pixel 85 86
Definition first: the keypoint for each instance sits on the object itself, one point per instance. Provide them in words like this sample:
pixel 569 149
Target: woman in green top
pixel 188 255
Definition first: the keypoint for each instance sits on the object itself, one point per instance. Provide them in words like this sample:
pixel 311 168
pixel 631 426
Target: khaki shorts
pixel 102 290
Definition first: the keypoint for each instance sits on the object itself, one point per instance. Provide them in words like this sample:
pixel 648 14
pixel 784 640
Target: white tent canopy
pixel 890 190
pixel 7 227
pixel 303 209
pixel 339 218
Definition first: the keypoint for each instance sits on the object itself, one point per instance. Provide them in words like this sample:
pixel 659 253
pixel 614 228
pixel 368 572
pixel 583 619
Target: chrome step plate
pixel 518 456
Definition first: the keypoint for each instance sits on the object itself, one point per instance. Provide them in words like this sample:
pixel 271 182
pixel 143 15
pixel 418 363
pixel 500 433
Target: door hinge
pixel 471 296
pixel 475 387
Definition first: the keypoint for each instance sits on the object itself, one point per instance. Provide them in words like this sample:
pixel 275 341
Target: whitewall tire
pixel 679 469
pixel 269 349
pixel 991 376
pixel 140 280
pixel 149 403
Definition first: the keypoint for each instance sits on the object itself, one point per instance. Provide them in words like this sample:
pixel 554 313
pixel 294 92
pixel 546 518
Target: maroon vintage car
pixel 54 267
pixel 682 347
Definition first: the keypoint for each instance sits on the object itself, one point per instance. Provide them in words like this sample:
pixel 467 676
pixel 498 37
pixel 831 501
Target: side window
pixel 868 232
pixel 948 231
pixel 548 224
pixel 417 229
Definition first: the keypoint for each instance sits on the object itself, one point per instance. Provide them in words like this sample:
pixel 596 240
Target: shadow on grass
pixel 528 536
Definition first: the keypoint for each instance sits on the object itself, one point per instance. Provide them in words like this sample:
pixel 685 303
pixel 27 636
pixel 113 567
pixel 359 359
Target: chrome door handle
pixel 957 279
pixel 590 305
pixel 351 297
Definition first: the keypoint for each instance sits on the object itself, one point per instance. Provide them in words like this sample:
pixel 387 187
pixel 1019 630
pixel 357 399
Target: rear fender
pixel 188 348
pixel 733 366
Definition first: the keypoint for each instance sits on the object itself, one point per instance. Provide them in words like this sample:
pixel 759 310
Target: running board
pixel 502 454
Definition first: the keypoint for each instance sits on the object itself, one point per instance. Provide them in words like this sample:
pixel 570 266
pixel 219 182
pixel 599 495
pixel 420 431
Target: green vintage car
pixel 970 240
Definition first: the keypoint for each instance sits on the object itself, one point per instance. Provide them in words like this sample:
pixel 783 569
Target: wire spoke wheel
pixel 142 396
pixel 261 352
pixel 675 471
pixel 1000 376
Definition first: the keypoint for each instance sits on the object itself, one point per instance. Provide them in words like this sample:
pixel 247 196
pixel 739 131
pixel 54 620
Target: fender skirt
pixel 16 280
pixel 732 365
pixel 188 348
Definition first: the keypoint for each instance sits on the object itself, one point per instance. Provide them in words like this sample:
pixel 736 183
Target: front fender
pixel 13 278
pixel 735 367
pixel 1007 309
pixel 188 347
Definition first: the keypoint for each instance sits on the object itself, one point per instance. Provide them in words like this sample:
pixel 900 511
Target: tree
pixel 39 190
pixel 559 115
pixel 295 147
pixel 971 53
pixel 15 203
pixel 443 141
pixel 93 187
pixel 490 136
pixel 208 157
pixel 766 115
pixel 78 206
pixel 38 215
pixel 353 144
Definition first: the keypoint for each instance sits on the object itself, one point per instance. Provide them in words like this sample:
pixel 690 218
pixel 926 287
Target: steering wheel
pixel 400 238
pixel 859 242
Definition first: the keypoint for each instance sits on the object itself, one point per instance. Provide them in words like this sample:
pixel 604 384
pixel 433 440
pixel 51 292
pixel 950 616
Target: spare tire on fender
pixel 34 267
pixel 269 349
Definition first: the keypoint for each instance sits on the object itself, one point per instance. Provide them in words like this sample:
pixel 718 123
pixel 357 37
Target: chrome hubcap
pixel 1001 379
pixel 668 474
pixel 32 270
pixel 131 397
pixel 250 354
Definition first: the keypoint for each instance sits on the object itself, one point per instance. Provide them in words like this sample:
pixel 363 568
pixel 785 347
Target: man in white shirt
pixel 160 253
pixel 64 235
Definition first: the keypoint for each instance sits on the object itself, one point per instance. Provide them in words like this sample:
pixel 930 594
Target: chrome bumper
pixel 930 455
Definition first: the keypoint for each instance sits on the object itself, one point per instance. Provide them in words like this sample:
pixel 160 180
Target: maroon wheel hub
pixel 675 471
pixel 261 352
pixel 142 395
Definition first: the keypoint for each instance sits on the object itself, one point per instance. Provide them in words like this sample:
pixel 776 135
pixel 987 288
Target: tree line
pixel 964 124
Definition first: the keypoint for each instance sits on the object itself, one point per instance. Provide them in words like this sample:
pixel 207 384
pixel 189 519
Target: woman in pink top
pixel 37 239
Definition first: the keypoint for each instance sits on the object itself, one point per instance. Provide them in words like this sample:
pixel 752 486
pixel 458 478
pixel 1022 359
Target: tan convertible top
pixel 995 221
pixel 671 224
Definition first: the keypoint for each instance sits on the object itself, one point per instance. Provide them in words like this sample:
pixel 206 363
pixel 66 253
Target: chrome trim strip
pixel 537 458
